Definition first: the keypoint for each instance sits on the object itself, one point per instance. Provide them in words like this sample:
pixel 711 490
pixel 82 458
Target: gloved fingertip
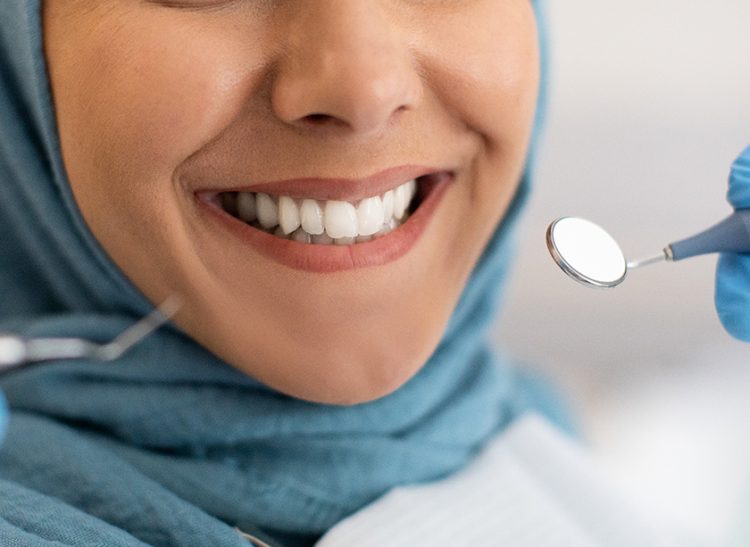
pixel 3 417
pixel 739 181
pixel 731 297
pixel 736 325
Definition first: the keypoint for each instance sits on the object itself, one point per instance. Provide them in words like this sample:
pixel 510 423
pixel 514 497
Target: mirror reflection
pixel 586 252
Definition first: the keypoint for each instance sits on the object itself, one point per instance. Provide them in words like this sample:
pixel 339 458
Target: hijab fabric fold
pixel 169 445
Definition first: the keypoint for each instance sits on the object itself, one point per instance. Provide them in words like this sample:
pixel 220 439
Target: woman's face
pixel 163 106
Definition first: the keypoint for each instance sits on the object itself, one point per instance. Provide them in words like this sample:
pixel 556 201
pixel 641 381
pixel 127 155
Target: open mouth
pixel 327 235
pixel 328 222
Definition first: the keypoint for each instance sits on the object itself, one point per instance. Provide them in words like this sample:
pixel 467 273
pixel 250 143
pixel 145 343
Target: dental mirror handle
pixel 731 235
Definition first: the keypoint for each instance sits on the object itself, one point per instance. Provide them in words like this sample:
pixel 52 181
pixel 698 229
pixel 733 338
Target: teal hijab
pixel 169 445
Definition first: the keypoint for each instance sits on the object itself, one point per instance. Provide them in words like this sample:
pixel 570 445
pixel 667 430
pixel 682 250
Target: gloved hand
pixel 3 417
pixel 732 296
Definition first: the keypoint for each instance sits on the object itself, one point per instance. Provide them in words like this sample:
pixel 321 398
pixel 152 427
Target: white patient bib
pixel 530 486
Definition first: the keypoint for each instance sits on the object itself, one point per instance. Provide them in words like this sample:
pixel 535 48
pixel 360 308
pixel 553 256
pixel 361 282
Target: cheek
pixel 152 92
pixel 135 95
pixel 486 66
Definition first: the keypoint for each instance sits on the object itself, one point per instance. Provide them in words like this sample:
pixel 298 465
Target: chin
pixel 338 380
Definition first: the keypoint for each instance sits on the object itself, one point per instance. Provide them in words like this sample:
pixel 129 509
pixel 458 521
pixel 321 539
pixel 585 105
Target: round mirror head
pixel 586 252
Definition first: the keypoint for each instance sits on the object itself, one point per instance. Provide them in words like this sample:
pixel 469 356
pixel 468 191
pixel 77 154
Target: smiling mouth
pixel 327 222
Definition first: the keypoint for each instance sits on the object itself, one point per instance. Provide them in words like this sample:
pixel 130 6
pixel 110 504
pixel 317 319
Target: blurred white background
pixel 649 106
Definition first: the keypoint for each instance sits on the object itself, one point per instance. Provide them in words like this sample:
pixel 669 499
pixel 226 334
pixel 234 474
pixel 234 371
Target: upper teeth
pixel 339 219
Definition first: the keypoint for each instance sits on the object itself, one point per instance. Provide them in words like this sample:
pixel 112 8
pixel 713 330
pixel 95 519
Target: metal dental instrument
pixel 588 254
pixel 17 351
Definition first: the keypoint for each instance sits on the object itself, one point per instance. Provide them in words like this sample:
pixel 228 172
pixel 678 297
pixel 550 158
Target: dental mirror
pixel 588 254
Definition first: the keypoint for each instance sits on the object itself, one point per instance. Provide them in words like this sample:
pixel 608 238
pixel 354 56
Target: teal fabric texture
pixel 732 295
pixel 169 445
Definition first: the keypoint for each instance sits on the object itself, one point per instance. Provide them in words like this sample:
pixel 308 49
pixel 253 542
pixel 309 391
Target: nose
pixel 345 64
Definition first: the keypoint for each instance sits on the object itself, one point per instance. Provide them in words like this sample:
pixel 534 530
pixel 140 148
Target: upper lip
pixel 341 189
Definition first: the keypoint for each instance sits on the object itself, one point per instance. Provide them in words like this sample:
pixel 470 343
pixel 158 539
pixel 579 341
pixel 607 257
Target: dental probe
pixel 592 257
pixel 17 351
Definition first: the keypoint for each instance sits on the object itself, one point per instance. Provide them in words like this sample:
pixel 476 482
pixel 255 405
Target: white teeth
pixel 288 214
pixel 323 222
pixel 246 206
pixel 268 214
pixel 388 205
pixel 388 227
pixel 312 217
pixel 340 219
pixel 399 201
pixel 369 216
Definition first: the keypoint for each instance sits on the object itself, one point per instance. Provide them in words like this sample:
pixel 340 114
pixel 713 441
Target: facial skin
pixel 153 97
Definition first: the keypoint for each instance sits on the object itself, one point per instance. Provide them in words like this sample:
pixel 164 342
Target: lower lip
pixel 334 258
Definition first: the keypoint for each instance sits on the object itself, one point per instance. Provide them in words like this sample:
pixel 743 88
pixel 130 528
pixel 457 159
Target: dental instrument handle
pixel 731 235
pixel 17 351
pixel 664 255
pixel 13 351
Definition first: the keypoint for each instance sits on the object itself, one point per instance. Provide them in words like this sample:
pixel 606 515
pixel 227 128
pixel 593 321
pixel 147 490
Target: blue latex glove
pixel 733 270
pixel 3 417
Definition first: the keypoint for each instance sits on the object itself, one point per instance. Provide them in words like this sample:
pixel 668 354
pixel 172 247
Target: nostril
pixel 323 120
pixel 317 118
